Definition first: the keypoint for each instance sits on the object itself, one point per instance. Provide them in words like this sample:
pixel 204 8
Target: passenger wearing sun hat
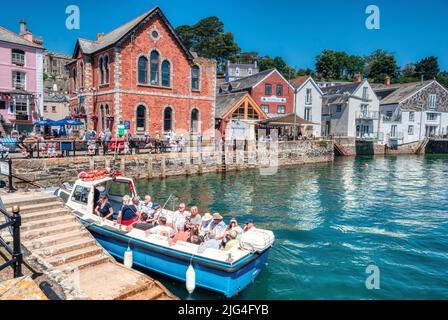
pixel 204 229
pixel 218 227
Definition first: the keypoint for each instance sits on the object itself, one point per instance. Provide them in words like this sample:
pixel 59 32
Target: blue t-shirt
pixel 128 212
pixel 105 210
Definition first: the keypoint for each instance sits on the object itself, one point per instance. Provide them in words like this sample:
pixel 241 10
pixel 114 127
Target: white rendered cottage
pixel 410 112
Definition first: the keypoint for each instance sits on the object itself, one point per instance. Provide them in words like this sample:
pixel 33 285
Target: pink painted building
pixel 21 79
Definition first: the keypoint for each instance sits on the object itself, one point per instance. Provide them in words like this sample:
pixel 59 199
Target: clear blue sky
pixel 294 29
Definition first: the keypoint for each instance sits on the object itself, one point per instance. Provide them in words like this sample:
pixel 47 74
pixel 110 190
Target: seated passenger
pixel 250 225
pixel 217 227
pixel 179 218
pixel 233 242
pixel 145 206
pixel 103 208
pixel 195 217
pixel 182 235
pixel 154 217
pixel 128 213
pixel 194 237
pixel 162 229
pixel 233 226
pixel 204 228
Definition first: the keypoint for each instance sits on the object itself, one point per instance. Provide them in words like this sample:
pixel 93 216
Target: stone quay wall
pixel 54 172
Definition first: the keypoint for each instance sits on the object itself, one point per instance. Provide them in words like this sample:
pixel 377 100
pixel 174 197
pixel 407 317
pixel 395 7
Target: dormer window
pixel 237 71
pixel 18 57
pixel 250 72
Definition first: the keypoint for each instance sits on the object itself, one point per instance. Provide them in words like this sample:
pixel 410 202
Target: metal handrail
pixel 12 222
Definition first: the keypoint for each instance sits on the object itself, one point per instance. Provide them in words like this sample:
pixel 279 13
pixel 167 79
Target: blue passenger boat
pixel 216 270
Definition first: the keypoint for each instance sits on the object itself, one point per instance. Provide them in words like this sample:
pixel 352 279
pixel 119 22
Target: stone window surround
pixel 199 78
pixel 148 70
pixel 199 119
pixel 173 119
pixel 147 120
pixel 107 81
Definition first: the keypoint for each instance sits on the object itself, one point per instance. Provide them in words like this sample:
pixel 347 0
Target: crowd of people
pixel 207 231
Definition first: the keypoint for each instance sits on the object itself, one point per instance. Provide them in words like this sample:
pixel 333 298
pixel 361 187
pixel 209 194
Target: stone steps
pixel 38 207
pixel 31 217
pixel 31 198
pixel 54 240
pixel 65 247
pixel 75 255
pixel 44 223
pixel 52 230
pixel 85 263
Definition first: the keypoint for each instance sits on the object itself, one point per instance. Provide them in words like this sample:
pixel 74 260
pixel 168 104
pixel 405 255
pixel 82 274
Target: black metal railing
pixel 6 170
pixel 12 222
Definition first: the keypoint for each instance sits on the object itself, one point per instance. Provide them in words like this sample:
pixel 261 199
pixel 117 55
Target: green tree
pixel 428 67
pixel 278 63
pixel 354 65
pixel 442 78
pixel 338 65
pixel 325 63
pixel 381 64
pixel 209 40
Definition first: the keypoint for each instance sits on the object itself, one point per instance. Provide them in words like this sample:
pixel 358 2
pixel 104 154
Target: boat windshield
pixel 121 189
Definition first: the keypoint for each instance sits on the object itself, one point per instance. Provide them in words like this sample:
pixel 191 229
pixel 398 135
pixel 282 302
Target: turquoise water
pixel 331 221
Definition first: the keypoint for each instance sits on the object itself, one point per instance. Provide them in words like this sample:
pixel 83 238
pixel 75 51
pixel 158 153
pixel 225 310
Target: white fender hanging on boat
pixel 190 279
pixel 128 258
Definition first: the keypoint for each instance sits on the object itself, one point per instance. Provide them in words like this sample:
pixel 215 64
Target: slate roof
pixel 339 94
pixel 250 81
pixel 224 102
pixel 109 39
pixel 12 37
pixel 396 93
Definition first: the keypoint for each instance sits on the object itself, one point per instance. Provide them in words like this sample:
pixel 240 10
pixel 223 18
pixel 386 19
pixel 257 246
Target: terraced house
pixel 142 76
pixel 410 112
pixel 21 79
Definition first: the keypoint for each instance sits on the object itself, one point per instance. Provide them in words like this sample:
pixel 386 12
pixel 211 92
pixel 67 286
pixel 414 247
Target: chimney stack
pixel 359 77
pixel 387 81
pixel 22 27
pixel 99 36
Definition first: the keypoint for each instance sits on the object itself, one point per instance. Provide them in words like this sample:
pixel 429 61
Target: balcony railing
pixel 368 115
pixel 368 136
pixel 392 118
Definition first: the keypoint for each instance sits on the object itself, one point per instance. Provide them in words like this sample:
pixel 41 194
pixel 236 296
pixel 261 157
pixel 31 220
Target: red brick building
pixel 141 75
pixel 270 90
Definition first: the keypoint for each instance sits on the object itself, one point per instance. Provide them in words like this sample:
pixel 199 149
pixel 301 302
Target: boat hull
pixel 228 279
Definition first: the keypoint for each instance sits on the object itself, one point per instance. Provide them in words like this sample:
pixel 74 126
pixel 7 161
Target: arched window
pixel 141 118
pixel 195 78
pixel 154 67
pixel 194 120
pixel 101 70
pixel 142 70
pixel 75 76
pixel 106 69
pixel 104 109
pixel 168 119
pixel 81 82
pixel 166 73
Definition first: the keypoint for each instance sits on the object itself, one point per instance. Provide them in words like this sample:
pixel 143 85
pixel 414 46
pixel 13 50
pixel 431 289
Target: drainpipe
pixel 421 123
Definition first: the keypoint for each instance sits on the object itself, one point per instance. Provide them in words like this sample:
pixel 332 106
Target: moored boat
pixel 226 272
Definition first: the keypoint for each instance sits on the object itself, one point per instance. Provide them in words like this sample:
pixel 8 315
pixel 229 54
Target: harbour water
pixel 331 222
